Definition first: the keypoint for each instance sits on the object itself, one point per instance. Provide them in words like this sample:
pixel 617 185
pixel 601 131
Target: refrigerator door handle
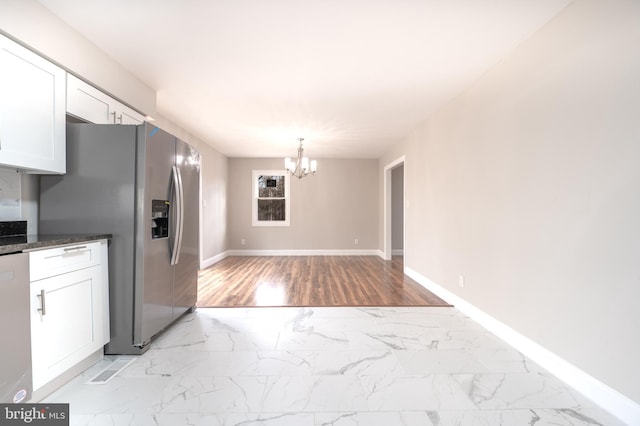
pixel 176 191
pixel 180 214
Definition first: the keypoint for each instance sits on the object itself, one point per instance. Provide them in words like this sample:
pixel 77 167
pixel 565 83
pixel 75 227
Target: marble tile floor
pixel 328 366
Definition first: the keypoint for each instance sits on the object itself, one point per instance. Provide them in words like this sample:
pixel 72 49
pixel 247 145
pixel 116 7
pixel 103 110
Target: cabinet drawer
pixel 60 260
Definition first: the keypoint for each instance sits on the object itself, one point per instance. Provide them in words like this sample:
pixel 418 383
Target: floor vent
pixel 111 371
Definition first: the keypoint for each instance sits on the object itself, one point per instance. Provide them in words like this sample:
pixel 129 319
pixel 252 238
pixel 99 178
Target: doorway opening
pixel 394 208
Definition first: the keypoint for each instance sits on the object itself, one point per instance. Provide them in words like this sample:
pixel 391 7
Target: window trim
pixel 254 196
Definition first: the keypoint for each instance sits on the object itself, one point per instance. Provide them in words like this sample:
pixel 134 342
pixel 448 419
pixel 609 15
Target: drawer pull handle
pixel 75 248
pixel 43 308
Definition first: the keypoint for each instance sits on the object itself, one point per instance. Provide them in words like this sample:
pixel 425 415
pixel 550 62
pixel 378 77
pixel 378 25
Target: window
pixel 270 198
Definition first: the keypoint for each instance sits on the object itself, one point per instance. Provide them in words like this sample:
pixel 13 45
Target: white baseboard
pixel 205 263
pixel 397 252
pixel 608 398
pixel 303 252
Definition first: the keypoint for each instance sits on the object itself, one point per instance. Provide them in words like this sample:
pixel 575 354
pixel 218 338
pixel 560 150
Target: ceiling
pixel 352 77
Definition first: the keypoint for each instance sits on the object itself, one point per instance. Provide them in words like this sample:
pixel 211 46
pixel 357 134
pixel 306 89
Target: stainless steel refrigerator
pixel 140 184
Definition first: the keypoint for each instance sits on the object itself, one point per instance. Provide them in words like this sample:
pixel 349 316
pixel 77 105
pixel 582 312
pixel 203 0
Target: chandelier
pixel 301 166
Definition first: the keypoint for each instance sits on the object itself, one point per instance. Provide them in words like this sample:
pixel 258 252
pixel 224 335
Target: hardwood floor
pixel 310 281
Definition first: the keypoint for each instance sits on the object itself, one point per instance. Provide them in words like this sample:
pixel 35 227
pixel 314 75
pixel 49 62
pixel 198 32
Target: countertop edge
pixel 51 241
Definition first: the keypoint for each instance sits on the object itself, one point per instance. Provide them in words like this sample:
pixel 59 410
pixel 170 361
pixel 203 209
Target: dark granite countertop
pixel 19 243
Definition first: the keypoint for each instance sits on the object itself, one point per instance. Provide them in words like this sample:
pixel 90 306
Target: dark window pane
pixel 271 210
pixel 271 186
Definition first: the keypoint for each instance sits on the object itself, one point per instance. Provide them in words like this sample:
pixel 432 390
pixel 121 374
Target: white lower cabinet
pixel 67 310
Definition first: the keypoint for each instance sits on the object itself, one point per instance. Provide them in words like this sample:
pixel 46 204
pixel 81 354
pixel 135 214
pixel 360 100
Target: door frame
pixel 387 244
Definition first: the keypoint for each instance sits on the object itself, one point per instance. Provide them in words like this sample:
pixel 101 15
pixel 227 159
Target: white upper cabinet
pixel 90 104
pixel 32 111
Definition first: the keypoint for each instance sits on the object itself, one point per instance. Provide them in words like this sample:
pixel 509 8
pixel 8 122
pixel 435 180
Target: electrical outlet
pixel 461 280
pixel 243 242
pixel 355 241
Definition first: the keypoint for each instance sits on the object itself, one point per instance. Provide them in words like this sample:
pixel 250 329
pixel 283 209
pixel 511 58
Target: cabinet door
pixel 66 322
pixel 32 110
pixel 125 115
pixel 90 104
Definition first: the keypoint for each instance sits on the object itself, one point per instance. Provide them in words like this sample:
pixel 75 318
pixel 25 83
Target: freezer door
pixel 186 269
pixel 154 273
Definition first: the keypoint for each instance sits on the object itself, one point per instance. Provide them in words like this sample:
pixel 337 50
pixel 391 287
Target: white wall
pixel 328 211
pixel 528 185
